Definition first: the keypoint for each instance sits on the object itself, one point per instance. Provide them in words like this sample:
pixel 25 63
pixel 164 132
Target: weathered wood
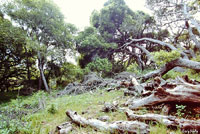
pixel 170 121
pixel 110 107
pixel 130 93
pixel 166 109
pixel 131 127
pixel 170 65
pixel 183 93
pixel 64 128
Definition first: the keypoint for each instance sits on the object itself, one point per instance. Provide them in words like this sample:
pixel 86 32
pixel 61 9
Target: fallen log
pixel 170 121
pixel 64 128
pixel 170 65
pixel 132 127
pixel 183 93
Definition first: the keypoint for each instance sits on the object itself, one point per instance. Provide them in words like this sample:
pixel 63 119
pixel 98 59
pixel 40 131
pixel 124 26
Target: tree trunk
pixel 40 81
pixel 170 121
pixel 44 79
pixel 40 65
pixel 188 17
pixel 171 47
pixel 130 127
pixel 27 65
pixel 170 65
pixel 184 93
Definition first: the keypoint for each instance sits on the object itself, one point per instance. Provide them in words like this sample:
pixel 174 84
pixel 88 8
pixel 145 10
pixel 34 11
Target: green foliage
pixel 32 120
pixel 11 127
pixel 103 66
pixel 52 109
pixel 172 74
pixel 193 74
pixel 61 75
pixel 47 32
pixel 90 44
pixel 40 15
pixel 180 110
pixel 197 58
pixel 162 129
pixel 15 114
pixel 162 57
pixel 14 57
pixel 110 18
pixel 116 22
pixel 189 72
pixel 71 72
pixel 134 68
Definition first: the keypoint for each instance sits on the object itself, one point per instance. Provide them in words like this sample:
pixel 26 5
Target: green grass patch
pixel 162 129
pixel 21 115
pixel 53 114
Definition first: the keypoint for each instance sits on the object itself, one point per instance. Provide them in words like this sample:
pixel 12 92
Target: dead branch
pixel 131 127
pixel 189 94
pixel 64 128
pixel 169 121
pixel 170 65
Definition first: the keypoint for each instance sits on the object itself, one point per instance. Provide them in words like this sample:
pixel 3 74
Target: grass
pixel 53 114
pixel 89 103
pixel 162 129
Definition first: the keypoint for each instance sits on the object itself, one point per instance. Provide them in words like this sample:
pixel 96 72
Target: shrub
pixel 172 74
pixel 134 68
pixel 102 66
pixel 14 114
pixel 162 57
pixel 52 109
pixel 197 58
pixel 68 73
pixel 192 74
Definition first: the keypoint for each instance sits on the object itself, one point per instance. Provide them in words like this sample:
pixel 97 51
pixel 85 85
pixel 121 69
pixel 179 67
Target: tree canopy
pixel 12 54
pixel 116 34
pixel 44 24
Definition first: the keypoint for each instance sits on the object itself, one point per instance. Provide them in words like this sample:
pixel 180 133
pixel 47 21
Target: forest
pixel 133 72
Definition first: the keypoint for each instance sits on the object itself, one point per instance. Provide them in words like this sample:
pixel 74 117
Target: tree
pixel 13 56
pixel 91 45
pixel 173 14
pixel 102 66
pixel 110 20
pixel 117 23
pixel 179 15
pixel 44 24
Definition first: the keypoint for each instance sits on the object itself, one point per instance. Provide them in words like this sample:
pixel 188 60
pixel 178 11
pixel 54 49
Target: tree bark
pixel 131 127
pixel 185 93
pixel 40 65
pixel 188 17
pixel 27 65
pixel 154 41
pixel 170 65
pixel 64 128
pixel 170 121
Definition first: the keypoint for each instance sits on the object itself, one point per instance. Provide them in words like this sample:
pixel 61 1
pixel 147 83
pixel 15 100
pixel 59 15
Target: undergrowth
pixel 41 112
pixel 28 115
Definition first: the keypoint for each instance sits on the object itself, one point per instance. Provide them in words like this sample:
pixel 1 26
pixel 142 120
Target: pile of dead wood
pixel 93 82
pixel 158 92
